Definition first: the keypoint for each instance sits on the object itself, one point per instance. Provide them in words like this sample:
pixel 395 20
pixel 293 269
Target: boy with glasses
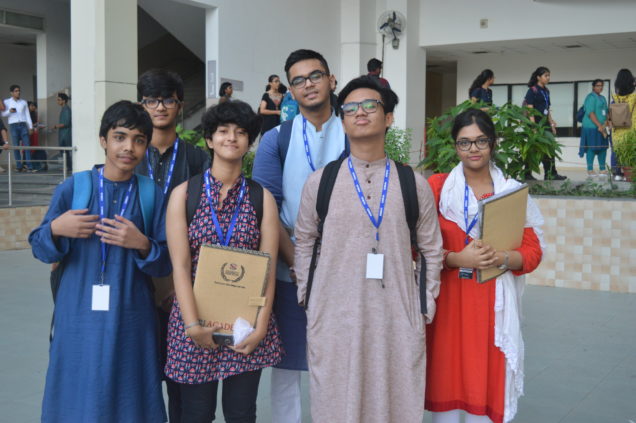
pixel 286 156
pixel 169 161
pixel 365 337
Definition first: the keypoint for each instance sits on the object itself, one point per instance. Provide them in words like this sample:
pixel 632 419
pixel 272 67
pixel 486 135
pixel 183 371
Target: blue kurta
pixel 103 365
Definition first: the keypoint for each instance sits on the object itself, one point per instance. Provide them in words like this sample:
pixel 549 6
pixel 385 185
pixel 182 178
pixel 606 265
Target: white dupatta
pixel 509 288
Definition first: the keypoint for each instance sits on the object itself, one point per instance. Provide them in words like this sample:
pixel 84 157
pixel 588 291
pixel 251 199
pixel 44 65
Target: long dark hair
pixel 481 79
pixel 270 79
pixel 624 83
pixel 537 73
pixel 224 86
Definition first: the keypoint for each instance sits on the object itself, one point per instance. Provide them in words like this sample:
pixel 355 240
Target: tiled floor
pixel 580 351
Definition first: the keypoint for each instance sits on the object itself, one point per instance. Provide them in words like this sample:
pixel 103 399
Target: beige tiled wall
pixel 16 224
pixel 591 244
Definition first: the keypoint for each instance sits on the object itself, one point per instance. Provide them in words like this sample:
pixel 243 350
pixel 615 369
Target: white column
pixel 42 83
pixel 103 67
pixel 212 56
pixel 405 69
pixel 357 38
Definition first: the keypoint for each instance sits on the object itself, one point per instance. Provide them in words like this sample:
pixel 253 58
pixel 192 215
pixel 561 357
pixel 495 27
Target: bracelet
pixel 444 257
pixel 191 325
pixel 504 265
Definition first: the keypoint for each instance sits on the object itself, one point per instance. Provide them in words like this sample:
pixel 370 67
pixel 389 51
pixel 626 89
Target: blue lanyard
pixel 170 168
pixel 546 97
pixel 102 214
pixel 468 227
pixel 365 205
pixel 225 241
pixel 306 141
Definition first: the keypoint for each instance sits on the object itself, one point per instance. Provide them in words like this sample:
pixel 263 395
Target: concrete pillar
pixel 212 56
pixel 405 69
pixel 357 38
pixel 103 67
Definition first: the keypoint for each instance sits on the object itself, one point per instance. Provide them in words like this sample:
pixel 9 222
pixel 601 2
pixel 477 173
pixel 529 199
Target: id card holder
pixel 465 273
pixel 375 266
pixel 101 298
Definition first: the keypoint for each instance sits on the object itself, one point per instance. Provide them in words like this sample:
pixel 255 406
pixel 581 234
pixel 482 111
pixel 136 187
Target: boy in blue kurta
pixel 103 364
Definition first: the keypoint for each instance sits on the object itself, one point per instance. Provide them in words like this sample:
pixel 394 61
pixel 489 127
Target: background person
pixel 195 361
pixel 594 141
pixel 480 88
pixel 4 139
pixel 269 107
pixel 624 92
pixel 20 127
pixel 225 92
pixel 64 131
pixel 467 367
pixel 37 156
pixel 374 69
pixel 538 97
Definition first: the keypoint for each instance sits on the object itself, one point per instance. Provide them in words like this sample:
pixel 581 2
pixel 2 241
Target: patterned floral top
pixel 188 363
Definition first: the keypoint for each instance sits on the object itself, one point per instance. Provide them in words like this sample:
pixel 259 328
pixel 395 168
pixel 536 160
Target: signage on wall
pixel 212 79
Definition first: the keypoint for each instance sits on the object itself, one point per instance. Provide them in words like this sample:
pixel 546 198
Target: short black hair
pixel 303 54
pixel 389 97
pixel 374 64
pixel 237 112
pixel 65 98
pixel 479 117
pixel 597 80
pixel 126 114
pixel 159 83
pixel 224 86
pixel 32 102
pixel 13 87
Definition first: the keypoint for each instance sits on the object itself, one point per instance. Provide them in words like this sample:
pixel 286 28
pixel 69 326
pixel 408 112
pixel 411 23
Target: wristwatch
pixel 504 265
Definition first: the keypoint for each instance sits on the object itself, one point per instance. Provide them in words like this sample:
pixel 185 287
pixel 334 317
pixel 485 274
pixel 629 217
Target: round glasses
pixel 153 103
pixel 300 81
pixel 368 106
pixel 464 144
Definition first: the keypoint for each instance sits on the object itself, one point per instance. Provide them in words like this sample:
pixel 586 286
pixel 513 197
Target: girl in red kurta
pixel 474 344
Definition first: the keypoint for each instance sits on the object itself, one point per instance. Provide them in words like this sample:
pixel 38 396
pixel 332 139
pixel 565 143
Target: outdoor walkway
pixel 580 351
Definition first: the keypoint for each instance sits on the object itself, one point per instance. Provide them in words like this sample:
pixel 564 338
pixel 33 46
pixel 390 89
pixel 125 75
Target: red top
pixel 465 370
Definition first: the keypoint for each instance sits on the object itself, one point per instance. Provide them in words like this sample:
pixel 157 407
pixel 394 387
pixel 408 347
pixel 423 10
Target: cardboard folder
pixel 502 218
pixel 230 283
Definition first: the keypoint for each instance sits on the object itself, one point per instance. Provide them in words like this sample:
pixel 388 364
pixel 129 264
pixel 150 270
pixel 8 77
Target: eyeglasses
pixel 300 81
pixel 464 144
pixel 368 106
pixel 153 103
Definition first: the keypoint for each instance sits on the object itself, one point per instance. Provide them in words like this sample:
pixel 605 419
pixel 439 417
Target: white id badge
pixel 546 111
pixel 375 266
pixel 603 112
pixel 101 297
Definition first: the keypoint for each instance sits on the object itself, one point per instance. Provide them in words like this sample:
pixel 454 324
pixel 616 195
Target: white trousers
pixel 285 396
pixel 454 416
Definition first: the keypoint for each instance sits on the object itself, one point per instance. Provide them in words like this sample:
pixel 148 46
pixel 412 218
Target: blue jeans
pixel 20 135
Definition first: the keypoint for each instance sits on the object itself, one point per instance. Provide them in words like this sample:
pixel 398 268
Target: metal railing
pixel 10 159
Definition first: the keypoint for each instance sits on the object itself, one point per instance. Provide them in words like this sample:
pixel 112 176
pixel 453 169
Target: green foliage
pixel 397 144
pixel 521 143
pixel 626 150
pixel 585 189
pixel 248 163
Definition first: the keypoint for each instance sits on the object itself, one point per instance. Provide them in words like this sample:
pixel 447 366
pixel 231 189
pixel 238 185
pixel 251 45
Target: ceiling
pixel 452 53
pixel 17 36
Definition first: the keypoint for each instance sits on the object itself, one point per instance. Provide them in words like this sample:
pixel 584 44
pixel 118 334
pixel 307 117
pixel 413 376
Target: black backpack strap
pixel 193 196
pixel 256 198
pixel 284 135
pixel 325 188
pixel 412 211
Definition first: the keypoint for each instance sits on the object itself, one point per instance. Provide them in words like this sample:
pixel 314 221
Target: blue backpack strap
pixel 146 200
pixel 284 135
pixel 82 189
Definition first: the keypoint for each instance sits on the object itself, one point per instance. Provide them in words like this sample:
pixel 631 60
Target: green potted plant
pixel 626 154
pixel 398 144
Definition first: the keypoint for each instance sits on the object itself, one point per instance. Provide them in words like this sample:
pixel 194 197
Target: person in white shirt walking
pixel 20 127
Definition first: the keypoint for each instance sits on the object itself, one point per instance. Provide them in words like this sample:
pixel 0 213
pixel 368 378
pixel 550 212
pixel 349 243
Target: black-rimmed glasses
pixel 368 106
pixel 464 144
pixel 153 103
pixel 300 81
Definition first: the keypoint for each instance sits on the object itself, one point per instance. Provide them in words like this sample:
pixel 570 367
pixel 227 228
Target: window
pixel 565 97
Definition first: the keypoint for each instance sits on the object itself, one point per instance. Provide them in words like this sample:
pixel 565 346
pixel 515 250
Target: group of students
pixel 596 126
pixel 381 340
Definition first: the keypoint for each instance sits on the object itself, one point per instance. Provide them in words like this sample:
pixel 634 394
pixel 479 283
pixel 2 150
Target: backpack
pixel 82 192
pixel 288 108
pixel 620 115
pixel 195 186
pixel 411 209
pixel 580 114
